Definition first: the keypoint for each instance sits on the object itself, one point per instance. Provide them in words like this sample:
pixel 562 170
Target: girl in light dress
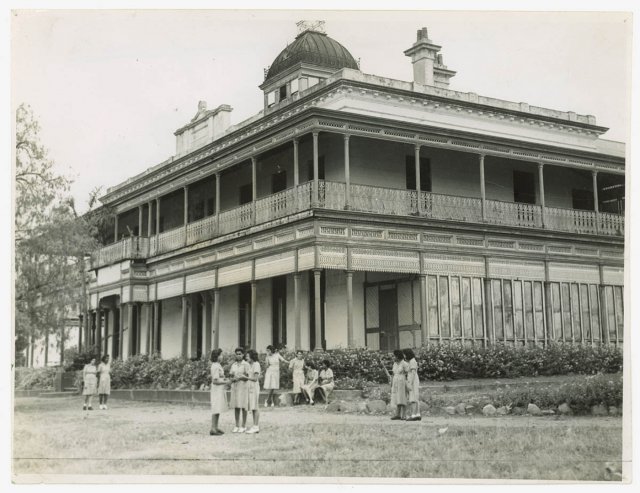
pixel 413 386
pixel 272 373
pixel 253 387
pixel 311 383
pixel 218 392
pixel 239 400
pixel 326 384
pixel 297 366
pixel 104 381
pixel 90 383
pixel 398 384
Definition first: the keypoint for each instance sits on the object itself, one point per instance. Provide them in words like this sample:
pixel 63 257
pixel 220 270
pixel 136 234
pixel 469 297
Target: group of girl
pixel 244 382
pixel 96 380
pixel 405 386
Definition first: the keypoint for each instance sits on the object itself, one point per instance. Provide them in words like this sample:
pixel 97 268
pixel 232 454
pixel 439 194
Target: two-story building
pixel 354 210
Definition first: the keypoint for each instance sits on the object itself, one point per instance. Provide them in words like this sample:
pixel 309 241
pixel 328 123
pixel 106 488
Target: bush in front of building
pixel 35 378
pixel 355 368
pixel 580 395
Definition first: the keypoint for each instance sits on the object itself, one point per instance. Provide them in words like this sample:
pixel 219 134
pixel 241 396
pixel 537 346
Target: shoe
pixel 266 404
pixel 220 432
pixel 412 418
pixel 394 418
pixel 213 432
pixel 253 429
pixel 235 430
pixel 417 418
pixel 90 408
pixel 242 430
pixel 273 404
pixel 84 408
pixel 313 403
pixel 105 407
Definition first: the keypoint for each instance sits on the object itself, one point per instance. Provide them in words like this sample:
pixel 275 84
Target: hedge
pixel 35 378
pixel 354 368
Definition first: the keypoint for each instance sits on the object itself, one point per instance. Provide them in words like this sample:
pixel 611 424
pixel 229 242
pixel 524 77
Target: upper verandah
pixel 431 95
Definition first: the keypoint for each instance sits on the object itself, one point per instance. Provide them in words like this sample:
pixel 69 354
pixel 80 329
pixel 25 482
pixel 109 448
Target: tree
pixel 52 241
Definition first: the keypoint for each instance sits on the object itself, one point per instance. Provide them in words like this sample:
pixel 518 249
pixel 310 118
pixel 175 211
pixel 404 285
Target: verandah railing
pixel 367 199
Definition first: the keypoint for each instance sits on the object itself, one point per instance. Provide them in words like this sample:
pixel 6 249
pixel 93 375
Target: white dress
pixel 218 392
pixel 253 388
pixel 272 374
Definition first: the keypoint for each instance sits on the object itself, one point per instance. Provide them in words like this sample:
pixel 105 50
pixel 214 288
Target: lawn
pixel 53 436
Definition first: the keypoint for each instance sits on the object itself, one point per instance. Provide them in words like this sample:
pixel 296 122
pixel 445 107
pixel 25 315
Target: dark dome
pixel 314 48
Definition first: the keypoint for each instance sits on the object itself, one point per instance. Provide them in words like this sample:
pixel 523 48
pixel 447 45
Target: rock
pixel 348 407
pixel 518 411
pixel 564 409
pixel 362 407
pixel 460 409
pixel 548 412
pixel 489 410
pixel 424 407
pixel 613 411
pixel 534 410
pixel 599 410
pixel 377 406
pixel 450 410
pixel 333 407
pixel 285 399
pixel 502 411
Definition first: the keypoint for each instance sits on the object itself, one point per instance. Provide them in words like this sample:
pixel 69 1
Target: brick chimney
pixel 428 68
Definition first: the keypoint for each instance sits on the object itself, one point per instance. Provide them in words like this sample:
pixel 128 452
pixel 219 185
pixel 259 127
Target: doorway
pixel 388 310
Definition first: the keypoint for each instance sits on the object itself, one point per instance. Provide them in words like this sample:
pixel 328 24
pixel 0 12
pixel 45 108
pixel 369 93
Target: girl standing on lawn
pixel 104 382
pixel 90 383
pixel 399 384
pixel 297 366
pixel 272 374
pixel 413 386
pixel 326 380
pixel 218 392
pixel 311 383
pixel 239 392
pixel 253 386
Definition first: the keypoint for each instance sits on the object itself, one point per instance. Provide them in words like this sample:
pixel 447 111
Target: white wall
pixel 171 327
pixel 303 300
pixel 229 333
pixel 264 319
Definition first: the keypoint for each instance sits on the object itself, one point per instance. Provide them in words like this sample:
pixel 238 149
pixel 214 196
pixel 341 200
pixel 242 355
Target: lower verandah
pixel 386 314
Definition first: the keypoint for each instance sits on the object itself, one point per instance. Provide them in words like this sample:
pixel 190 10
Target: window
pixel 425 173
pixel 524 187
pixel 271 98
pixel 294 86
pixel 582 199
pixel 283 92
pixel 245 193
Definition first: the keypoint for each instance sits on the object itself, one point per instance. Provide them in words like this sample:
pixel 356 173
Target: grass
pixel 53 436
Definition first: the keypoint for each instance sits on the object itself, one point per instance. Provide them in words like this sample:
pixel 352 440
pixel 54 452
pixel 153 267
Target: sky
pixel 110 87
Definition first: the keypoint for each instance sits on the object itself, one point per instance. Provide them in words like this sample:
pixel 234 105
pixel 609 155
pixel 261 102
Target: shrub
pixel 352 368
pixel 76 361
pixel 35 378
pixel 580 395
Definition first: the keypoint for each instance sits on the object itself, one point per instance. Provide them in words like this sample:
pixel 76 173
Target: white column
pixel 296 170
pixel 541 188
pixel 349 276
pixel 418 185
pixel 316 198
pixel 483 195
pixel 596 206
pixel 347 174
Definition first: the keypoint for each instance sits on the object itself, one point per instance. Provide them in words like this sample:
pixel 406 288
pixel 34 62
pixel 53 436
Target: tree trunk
pixel 62 338
pixel 46 346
